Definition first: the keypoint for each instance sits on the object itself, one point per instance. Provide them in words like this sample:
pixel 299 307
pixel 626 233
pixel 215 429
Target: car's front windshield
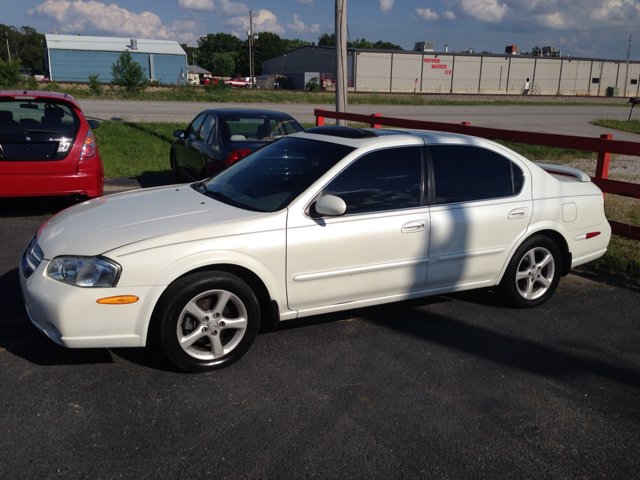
pixel 270 178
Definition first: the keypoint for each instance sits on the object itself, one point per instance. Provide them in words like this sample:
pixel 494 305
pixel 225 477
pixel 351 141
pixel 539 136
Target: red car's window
pixel 38 115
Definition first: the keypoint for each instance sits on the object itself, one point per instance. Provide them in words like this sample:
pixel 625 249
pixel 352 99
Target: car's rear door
pixel 480 206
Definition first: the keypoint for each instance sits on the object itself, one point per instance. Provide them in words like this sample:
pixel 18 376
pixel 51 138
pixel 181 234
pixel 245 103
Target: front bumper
pixel 71 317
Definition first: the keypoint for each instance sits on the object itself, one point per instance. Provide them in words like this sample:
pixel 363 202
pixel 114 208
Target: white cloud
pixel 305 2
pixel 197 4
pixel 488 11
pixel 264 21
pixel 448 15
pixel 427 14
pixel 385 5
pixel 88 17
pixel 299 27
pixel 230 9
pixel 582 15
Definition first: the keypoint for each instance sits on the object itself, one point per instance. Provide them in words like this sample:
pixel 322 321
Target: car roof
pixel 37 94
pixel 246 112
pixel 360 137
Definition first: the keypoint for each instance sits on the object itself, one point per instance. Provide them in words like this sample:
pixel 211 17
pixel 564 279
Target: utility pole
pixel 8 51
pixel 341 58
pixel 626 75
pixel 250 33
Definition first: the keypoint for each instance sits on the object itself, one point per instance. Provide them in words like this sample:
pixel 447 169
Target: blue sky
pixel 580 28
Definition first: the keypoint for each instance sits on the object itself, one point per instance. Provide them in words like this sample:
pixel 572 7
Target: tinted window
pixel 270 178
pixel 462 173
pixel 194 127
pixel 382 180
pixel 207 126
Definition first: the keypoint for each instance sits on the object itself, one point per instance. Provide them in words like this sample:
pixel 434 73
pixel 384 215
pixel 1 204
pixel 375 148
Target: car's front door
pixel 480 206
pixel 200 149
pixel 378 248
pixel 184 151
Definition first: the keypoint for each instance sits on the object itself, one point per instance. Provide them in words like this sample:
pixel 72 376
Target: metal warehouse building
pixel 445 72
pixel 71 58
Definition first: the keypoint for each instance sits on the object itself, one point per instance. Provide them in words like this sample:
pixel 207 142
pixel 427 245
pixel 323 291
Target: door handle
pixel 415 226
pixel 518 213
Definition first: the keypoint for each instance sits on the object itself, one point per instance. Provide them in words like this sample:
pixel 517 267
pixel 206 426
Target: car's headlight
pixel 84 271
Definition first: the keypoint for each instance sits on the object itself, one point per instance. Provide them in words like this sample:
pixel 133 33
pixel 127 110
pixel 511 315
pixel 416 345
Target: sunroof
pixel 344 132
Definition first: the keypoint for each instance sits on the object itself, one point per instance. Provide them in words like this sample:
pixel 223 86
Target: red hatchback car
pixel 47 146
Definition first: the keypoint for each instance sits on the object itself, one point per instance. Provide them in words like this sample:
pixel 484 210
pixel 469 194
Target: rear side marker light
pixel 119 300
pixel 586 236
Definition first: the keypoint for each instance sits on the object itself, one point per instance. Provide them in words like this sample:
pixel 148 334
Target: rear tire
pixel 533 273
pixel 206 321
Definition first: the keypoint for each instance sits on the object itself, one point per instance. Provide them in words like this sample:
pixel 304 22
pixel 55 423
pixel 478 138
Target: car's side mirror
pixel 93 124
pixel 330 205
pixel 178 133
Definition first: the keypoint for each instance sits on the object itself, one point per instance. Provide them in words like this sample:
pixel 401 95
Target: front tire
pixel 207 321
pixel 177 175
pixel 533 273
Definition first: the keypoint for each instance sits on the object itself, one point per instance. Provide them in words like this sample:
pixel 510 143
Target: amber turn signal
pixel 119 300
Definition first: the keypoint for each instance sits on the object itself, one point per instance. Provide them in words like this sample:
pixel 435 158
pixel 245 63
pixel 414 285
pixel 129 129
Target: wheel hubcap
pixel 212 324
pixel 535 273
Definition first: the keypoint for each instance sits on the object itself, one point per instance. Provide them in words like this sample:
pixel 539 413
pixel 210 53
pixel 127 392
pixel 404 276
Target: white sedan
pixel 320 221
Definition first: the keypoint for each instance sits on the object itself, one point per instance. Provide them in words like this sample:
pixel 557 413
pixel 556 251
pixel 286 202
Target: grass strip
pixel 632 126
pixel 131 149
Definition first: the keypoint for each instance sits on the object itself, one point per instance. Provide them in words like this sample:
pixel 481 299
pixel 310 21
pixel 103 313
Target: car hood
pixel 103 224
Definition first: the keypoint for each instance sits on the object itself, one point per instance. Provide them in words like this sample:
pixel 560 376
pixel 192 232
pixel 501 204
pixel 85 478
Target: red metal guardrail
pixel 605 146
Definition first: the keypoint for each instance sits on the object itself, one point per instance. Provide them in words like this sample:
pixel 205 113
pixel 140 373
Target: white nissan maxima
pixel 325 220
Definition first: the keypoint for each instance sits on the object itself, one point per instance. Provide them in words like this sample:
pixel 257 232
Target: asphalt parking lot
pixel 454 386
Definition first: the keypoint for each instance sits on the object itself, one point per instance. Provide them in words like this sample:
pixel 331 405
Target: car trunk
pixel 28 154
pixel 39 136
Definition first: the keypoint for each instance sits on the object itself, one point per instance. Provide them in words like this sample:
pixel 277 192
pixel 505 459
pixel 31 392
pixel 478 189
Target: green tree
pixel 94 85
pixel 268 45
pixel 329 40
pixel 360 43
pixel 223 64
pixel 25 44
pixel 326 40
pixel 296 43
pixel 214 44
pixel 380 45
pixel 128 73
pixel 10 74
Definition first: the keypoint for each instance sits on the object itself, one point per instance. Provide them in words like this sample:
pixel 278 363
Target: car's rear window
pixel 270 178
pixel 35 115
pixel 241 129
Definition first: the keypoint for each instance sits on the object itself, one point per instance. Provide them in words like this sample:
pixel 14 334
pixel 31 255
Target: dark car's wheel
pixel 533 273
pixel 177 174
pixel 207 321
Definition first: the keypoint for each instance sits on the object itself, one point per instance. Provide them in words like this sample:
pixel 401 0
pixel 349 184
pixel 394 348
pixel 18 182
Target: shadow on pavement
pixel 520 353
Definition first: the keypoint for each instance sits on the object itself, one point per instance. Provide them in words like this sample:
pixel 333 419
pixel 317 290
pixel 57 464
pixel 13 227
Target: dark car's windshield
pixel 269 179
pixel 31 115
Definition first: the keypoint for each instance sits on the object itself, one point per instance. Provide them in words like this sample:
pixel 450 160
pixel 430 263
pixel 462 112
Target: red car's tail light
pixel 237 155
pixel 89 148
